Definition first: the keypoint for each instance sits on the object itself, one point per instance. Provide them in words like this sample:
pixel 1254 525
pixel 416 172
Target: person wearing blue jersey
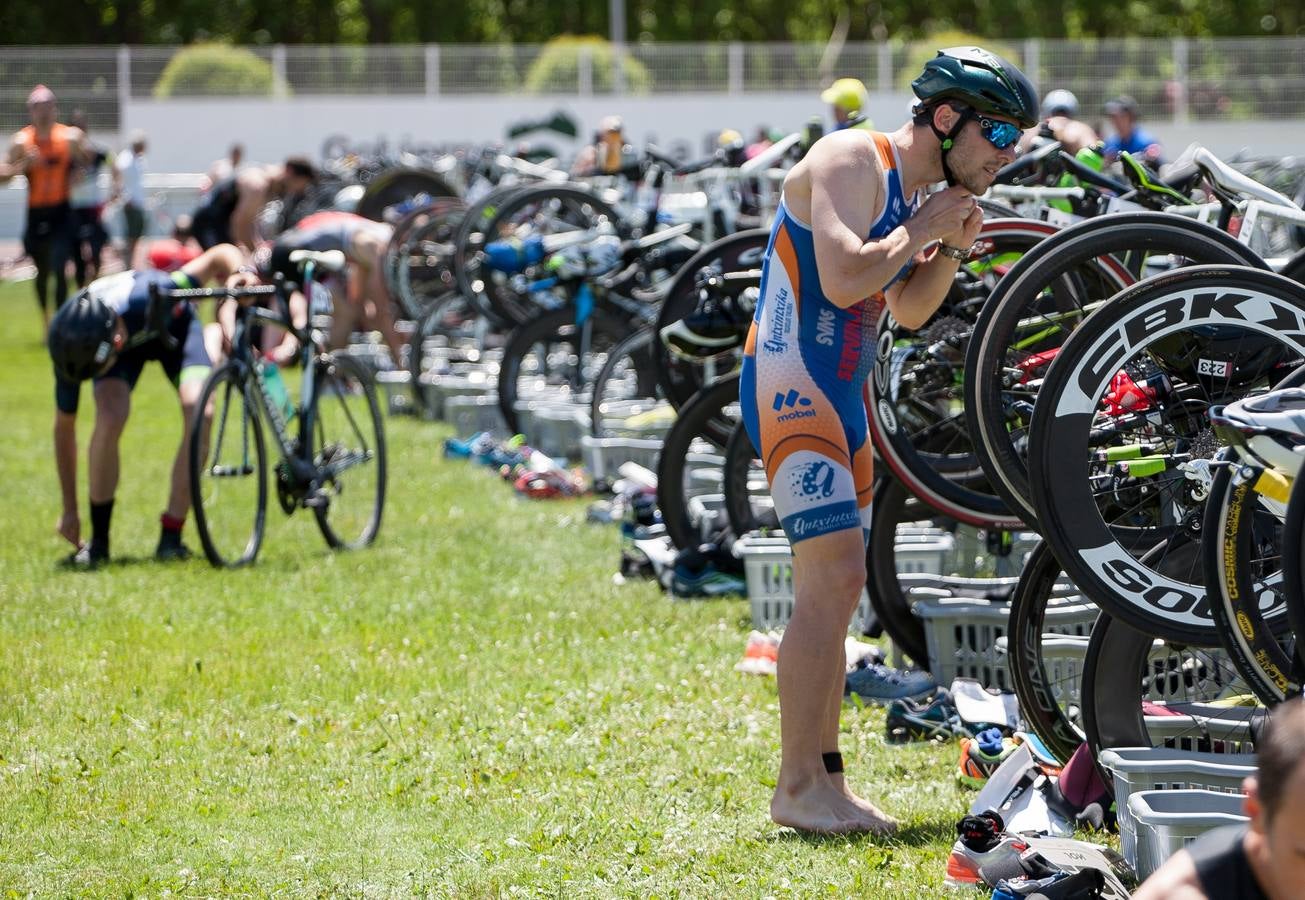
pixel 1123 112
pixel 105 334
pixel 854 235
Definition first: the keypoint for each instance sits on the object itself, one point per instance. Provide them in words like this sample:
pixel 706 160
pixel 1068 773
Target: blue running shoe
pixel 932 720
pixel 706 582
pixel 880 684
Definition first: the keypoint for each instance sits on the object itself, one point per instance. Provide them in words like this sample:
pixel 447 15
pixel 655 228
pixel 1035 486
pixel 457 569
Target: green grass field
pixel 469 708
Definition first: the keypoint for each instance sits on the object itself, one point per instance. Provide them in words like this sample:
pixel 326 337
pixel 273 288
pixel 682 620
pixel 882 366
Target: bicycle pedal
pixel 316 500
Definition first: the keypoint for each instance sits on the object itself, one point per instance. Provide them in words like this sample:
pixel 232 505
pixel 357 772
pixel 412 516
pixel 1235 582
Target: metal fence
pixel 1179 79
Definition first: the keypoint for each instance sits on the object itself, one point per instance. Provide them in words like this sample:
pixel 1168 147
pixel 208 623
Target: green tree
pixel 216 69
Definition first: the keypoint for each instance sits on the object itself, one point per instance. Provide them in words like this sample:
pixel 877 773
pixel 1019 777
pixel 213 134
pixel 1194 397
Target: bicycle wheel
pixel 1293 544
pixel 395 187
pixel 748 504
pixel 348 451
pixel 692 458
pixel 419 259
pixel 626 385
pixel 228 472
pixel 1125 667
pixel 551 357
pixel 1046 669
pixel 536 212
pixel 915 393
pixel 678 378
pixel 448 320
pixel 1042 299
pixel 893 504
pixel 1121 432
pixel 468 246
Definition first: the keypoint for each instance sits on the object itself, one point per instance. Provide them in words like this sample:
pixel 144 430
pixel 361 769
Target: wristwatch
pixel 957 253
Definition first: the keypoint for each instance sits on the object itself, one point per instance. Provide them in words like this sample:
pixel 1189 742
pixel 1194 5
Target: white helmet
pixel 1059 102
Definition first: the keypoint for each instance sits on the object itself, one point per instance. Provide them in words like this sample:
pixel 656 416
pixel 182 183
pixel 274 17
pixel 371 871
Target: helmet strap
pixel 948 139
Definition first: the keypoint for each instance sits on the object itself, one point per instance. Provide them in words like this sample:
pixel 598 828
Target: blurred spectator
pixel 171 253
pixel 760 143
pixel 1123 113
pixel 228 165
pixel 87 202
pixel 129 187
pixel 848 99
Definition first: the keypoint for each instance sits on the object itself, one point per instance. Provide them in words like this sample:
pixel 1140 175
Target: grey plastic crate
pixel 964 636
pixel 472 414
pixel 395 388
pixel 604 456
pixel 1167 821
pixel 768 570
pixel 440 388
pixel 557 430
pixel 1135 769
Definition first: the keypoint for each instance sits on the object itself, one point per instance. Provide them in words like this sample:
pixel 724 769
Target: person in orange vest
pixel 46 152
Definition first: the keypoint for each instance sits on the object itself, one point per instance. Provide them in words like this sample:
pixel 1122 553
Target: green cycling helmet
pixel 981 80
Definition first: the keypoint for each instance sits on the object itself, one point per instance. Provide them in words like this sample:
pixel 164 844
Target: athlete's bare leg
pixel 828 574
pixel 112 406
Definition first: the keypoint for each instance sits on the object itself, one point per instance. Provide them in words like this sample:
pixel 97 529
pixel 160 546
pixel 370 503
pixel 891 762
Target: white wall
pixel 187 135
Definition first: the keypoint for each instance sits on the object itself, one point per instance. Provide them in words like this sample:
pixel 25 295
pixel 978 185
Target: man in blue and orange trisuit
pixel 853 235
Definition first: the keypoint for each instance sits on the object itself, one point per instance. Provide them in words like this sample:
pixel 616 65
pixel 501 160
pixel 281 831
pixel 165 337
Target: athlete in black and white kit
pixel 104 334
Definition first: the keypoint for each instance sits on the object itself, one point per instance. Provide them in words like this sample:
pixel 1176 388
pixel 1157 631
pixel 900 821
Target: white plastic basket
pixel 396 391
pixel 963 636
pixel 1167 821
pixel 1136 769
pixel 473 414
pixel 604 456
pixel 768 569
pixel 1206 728
pixel 441 387
pixel 557 429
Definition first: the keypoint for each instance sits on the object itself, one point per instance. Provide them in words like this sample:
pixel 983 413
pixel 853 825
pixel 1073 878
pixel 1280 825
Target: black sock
pixel 170 531
pixel 101 514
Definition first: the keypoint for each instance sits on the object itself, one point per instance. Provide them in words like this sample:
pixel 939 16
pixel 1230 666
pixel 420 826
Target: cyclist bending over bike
pixel 363 244
pixel 851 236
pixel 106 333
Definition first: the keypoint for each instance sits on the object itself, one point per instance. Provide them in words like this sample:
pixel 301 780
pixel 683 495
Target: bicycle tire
pixel 893 503
pixel 1039 687
pixel 914 382
pixel 1294 268
pixel 418 262
pixel 1293 542
pixel 1234 527
pixel 396 185
pixel 1063 421
pixel 1120 666
pixel 469 241
pixel 340 378
pixel 203 457
pixel 552 328
pixel 680 379
pixel 701 418
pixel 1016 298
pixel 439 319
pixel 587 208
pixel 742 470
pixel 633 355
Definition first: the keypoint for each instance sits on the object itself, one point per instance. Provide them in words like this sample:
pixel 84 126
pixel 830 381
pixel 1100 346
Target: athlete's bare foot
pixel 840 782
pixel 819 807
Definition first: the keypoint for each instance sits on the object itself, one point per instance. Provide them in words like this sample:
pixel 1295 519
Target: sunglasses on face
pixel 1001 135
